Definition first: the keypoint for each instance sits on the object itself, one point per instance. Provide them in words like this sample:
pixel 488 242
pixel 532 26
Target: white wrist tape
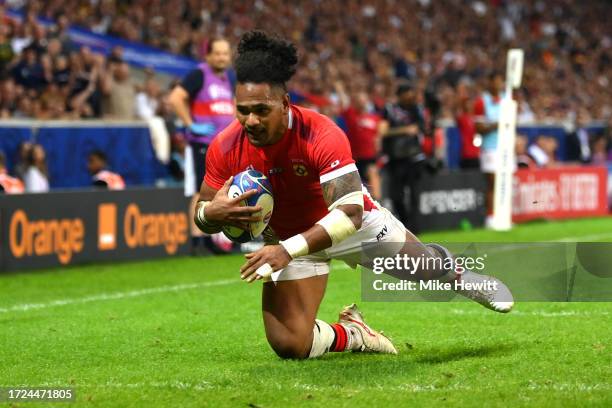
pixel 200 211
pixel 264 270
pixel 296 246
pixel 356 198
pixel 338 225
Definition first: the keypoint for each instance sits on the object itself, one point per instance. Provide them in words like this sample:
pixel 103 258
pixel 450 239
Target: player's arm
pixel 483 126
pixel 410 130
pixel 344 198
pixel 215 209
pixel 179 99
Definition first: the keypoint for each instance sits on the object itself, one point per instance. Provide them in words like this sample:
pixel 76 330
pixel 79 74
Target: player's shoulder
pixel 229 138
pixel 311 125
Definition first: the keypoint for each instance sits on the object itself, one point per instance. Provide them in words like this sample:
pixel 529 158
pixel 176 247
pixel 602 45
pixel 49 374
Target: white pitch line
pixel 176 288
pixel 205 385
pixel 539 313
pixel 116 295
pixel 584 238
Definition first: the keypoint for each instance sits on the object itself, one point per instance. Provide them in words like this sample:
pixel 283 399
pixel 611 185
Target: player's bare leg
pixel 289 313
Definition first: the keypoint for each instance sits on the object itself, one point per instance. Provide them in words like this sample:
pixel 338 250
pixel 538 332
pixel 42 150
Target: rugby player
pixel 321 210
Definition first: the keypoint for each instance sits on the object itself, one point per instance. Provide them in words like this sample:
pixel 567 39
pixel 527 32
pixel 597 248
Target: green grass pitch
pixel 187 332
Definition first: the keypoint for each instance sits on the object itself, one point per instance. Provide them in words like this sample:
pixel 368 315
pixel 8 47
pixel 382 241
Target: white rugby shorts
pixel 378 225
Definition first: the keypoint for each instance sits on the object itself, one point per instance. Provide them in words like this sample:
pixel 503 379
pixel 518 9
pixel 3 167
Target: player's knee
pixel 290 346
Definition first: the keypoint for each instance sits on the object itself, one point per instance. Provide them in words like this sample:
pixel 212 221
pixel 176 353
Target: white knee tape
pixel 322 338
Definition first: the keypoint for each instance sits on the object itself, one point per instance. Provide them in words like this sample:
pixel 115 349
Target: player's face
pixel 220 56
pixel 262 111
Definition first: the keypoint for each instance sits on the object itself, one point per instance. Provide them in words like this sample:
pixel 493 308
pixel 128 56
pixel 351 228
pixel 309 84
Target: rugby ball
pixel 243 182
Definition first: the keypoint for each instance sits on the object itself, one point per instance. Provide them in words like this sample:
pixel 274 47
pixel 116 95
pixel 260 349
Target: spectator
pixel 22 38
pixel 25 108
pixel 464 117
pixel 21 165
pixel 543 151
pixel 570 42
pixel 101 176
pixel 36 178
pixel 52 103
pixel 578 143
pixel 525 115
pixel 402 130
pixel 84 96
pixel 600 147
pixel 363 128
pixel 8 184
pixel 392 43
pixel 119 93
pixel 61 72
pixel 6 51
pixel 9 94
pixel 147 100
pixel 523 160
pixel 29 71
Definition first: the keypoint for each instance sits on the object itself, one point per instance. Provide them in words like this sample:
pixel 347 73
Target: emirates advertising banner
pixel 563 192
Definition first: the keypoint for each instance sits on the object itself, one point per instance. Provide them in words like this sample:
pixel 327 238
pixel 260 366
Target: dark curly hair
pixel 265 59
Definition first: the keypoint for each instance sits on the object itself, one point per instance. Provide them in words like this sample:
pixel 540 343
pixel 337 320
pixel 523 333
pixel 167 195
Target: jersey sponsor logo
pixel 300 170
pixel 335 163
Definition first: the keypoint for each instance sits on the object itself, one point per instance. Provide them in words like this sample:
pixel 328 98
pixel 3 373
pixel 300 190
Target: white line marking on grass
pixel 117 295
pixel 584 238
pixel 539 313
pixel 205 385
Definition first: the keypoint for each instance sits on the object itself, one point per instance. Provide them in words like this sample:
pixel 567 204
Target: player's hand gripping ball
pixel 243 182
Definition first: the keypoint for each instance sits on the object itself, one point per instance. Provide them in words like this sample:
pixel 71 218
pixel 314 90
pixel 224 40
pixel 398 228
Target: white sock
pixel 326 335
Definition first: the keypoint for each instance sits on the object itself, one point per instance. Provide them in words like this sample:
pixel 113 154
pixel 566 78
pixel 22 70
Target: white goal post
pixel 506 140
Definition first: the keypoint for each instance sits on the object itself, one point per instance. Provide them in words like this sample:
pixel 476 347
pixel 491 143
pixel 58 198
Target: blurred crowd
pixel 43 75
pixel 370 45
pixel 375 66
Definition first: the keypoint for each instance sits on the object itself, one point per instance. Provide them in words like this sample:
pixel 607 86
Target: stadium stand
pixel 370 45
pixel 444 49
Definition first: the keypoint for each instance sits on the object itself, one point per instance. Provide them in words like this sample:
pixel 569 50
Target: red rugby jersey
pixel 312 151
